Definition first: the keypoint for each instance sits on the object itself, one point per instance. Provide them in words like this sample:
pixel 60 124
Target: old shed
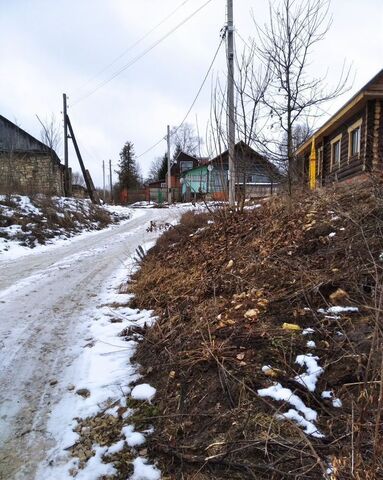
pixel 27 166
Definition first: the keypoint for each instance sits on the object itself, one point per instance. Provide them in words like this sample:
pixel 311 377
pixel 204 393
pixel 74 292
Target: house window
pixel 336 153
pixel 336 144
pixel 186 165
pixel 354 139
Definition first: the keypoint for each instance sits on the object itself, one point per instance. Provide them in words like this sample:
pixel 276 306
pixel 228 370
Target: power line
pixel 193 103
pixel 138 57
pixel 137 42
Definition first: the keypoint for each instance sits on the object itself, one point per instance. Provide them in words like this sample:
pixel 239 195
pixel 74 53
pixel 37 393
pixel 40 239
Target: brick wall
pixel 29 173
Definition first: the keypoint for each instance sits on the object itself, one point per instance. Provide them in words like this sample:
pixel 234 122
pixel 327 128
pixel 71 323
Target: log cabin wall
pixel 370 114
pixel 349 166
pixel 377 133
pixel 364 110
pixel 380 136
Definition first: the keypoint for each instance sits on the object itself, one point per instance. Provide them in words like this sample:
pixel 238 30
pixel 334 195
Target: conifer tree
pixel 129 173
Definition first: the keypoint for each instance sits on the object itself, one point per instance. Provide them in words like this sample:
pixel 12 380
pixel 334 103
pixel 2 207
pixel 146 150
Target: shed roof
pixel 15 139
pixel 245 148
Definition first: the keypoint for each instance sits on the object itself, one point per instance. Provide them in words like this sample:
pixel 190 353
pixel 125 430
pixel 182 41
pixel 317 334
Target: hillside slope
pixel 27 222
pixel 267 356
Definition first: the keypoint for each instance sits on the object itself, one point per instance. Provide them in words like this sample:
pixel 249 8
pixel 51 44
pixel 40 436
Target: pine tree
pixel 177 151
pixel 128 174
pixel 164 168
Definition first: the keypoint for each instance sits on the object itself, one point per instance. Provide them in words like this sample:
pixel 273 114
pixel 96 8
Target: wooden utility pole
pixel 111 181
pixel 230 101
pixel 103 180
pixel 66 163
pixel 85 173
pixel 169 170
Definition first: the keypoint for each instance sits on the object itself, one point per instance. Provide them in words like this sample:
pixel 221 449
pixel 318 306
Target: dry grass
pixel 280 261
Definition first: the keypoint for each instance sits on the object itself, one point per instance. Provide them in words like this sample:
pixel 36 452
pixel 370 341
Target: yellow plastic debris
pixel 291 326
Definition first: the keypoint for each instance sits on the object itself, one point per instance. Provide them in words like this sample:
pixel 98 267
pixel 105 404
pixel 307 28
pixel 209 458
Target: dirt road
pixel 42 297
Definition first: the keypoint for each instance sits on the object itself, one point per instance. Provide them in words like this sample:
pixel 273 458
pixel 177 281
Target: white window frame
pixel 335 140
pixel 350 130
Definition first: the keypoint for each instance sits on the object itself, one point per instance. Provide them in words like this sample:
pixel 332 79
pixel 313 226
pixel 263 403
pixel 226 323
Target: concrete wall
pixel 29 173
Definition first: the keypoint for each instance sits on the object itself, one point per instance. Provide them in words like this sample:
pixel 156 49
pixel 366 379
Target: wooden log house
pixel 350 143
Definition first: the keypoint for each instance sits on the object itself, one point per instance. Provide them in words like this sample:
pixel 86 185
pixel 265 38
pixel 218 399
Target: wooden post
pixel 169 170
pixel 111 181
pixel 230 102
pixel 89 184
pixel 66 162
pixel 103 180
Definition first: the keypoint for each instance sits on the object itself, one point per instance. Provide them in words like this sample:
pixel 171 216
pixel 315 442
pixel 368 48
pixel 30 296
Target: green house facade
pixel 204 179
pixel 255 176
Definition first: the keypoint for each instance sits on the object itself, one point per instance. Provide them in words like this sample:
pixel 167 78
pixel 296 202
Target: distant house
pixel 350 143
pixel 255 176
pixel 27 166
pixel 180 165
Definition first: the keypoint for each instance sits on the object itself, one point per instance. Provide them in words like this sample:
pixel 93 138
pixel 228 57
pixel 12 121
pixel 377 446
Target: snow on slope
pixel 31 223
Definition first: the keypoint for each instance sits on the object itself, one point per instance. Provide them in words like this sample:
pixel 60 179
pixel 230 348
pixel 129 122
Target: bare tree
pixel 250 83
pixel 185 139
pixel 158 169
pixel 50 133
pixel 285 45
pixel 78 179
pixel 300 133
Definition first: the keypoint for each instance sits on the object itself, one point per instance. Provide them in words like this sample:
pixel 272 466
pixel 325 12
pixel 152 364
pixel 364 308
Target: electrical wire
pixel 193 103
pixel 133 45
pixel 141 55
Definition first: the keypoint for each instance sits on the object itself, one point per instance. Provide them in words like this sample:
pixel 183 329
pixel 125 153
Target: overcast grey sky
pixel 49 47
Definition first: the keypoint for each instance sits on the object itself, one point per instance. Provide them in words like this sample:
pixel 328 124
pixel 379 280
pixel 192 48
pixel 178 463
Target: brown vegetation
pixel 222 291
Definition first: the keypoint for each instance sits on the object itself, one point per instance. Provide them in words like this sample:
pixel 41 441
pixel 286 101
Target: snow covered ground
pixel 103 369
pixel 27 224
pixel 54 302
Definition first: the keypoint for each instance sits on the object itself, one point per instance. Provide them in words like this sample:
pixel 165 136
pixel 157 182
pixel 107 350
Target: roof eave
pixel 331 123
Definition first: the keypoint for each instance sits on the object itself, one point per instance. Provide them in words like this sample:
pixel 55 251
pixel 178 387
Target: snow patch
pixel 308 417
pixel 116 447
pixel 309 427
pixel 279 393
pixel 337 403
pixel 310 378
pixel 144 471
pixel 133 439
pixel 308 331
pixel 95 468
pixel 327 394
pixel 338 310
pixel 143 392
